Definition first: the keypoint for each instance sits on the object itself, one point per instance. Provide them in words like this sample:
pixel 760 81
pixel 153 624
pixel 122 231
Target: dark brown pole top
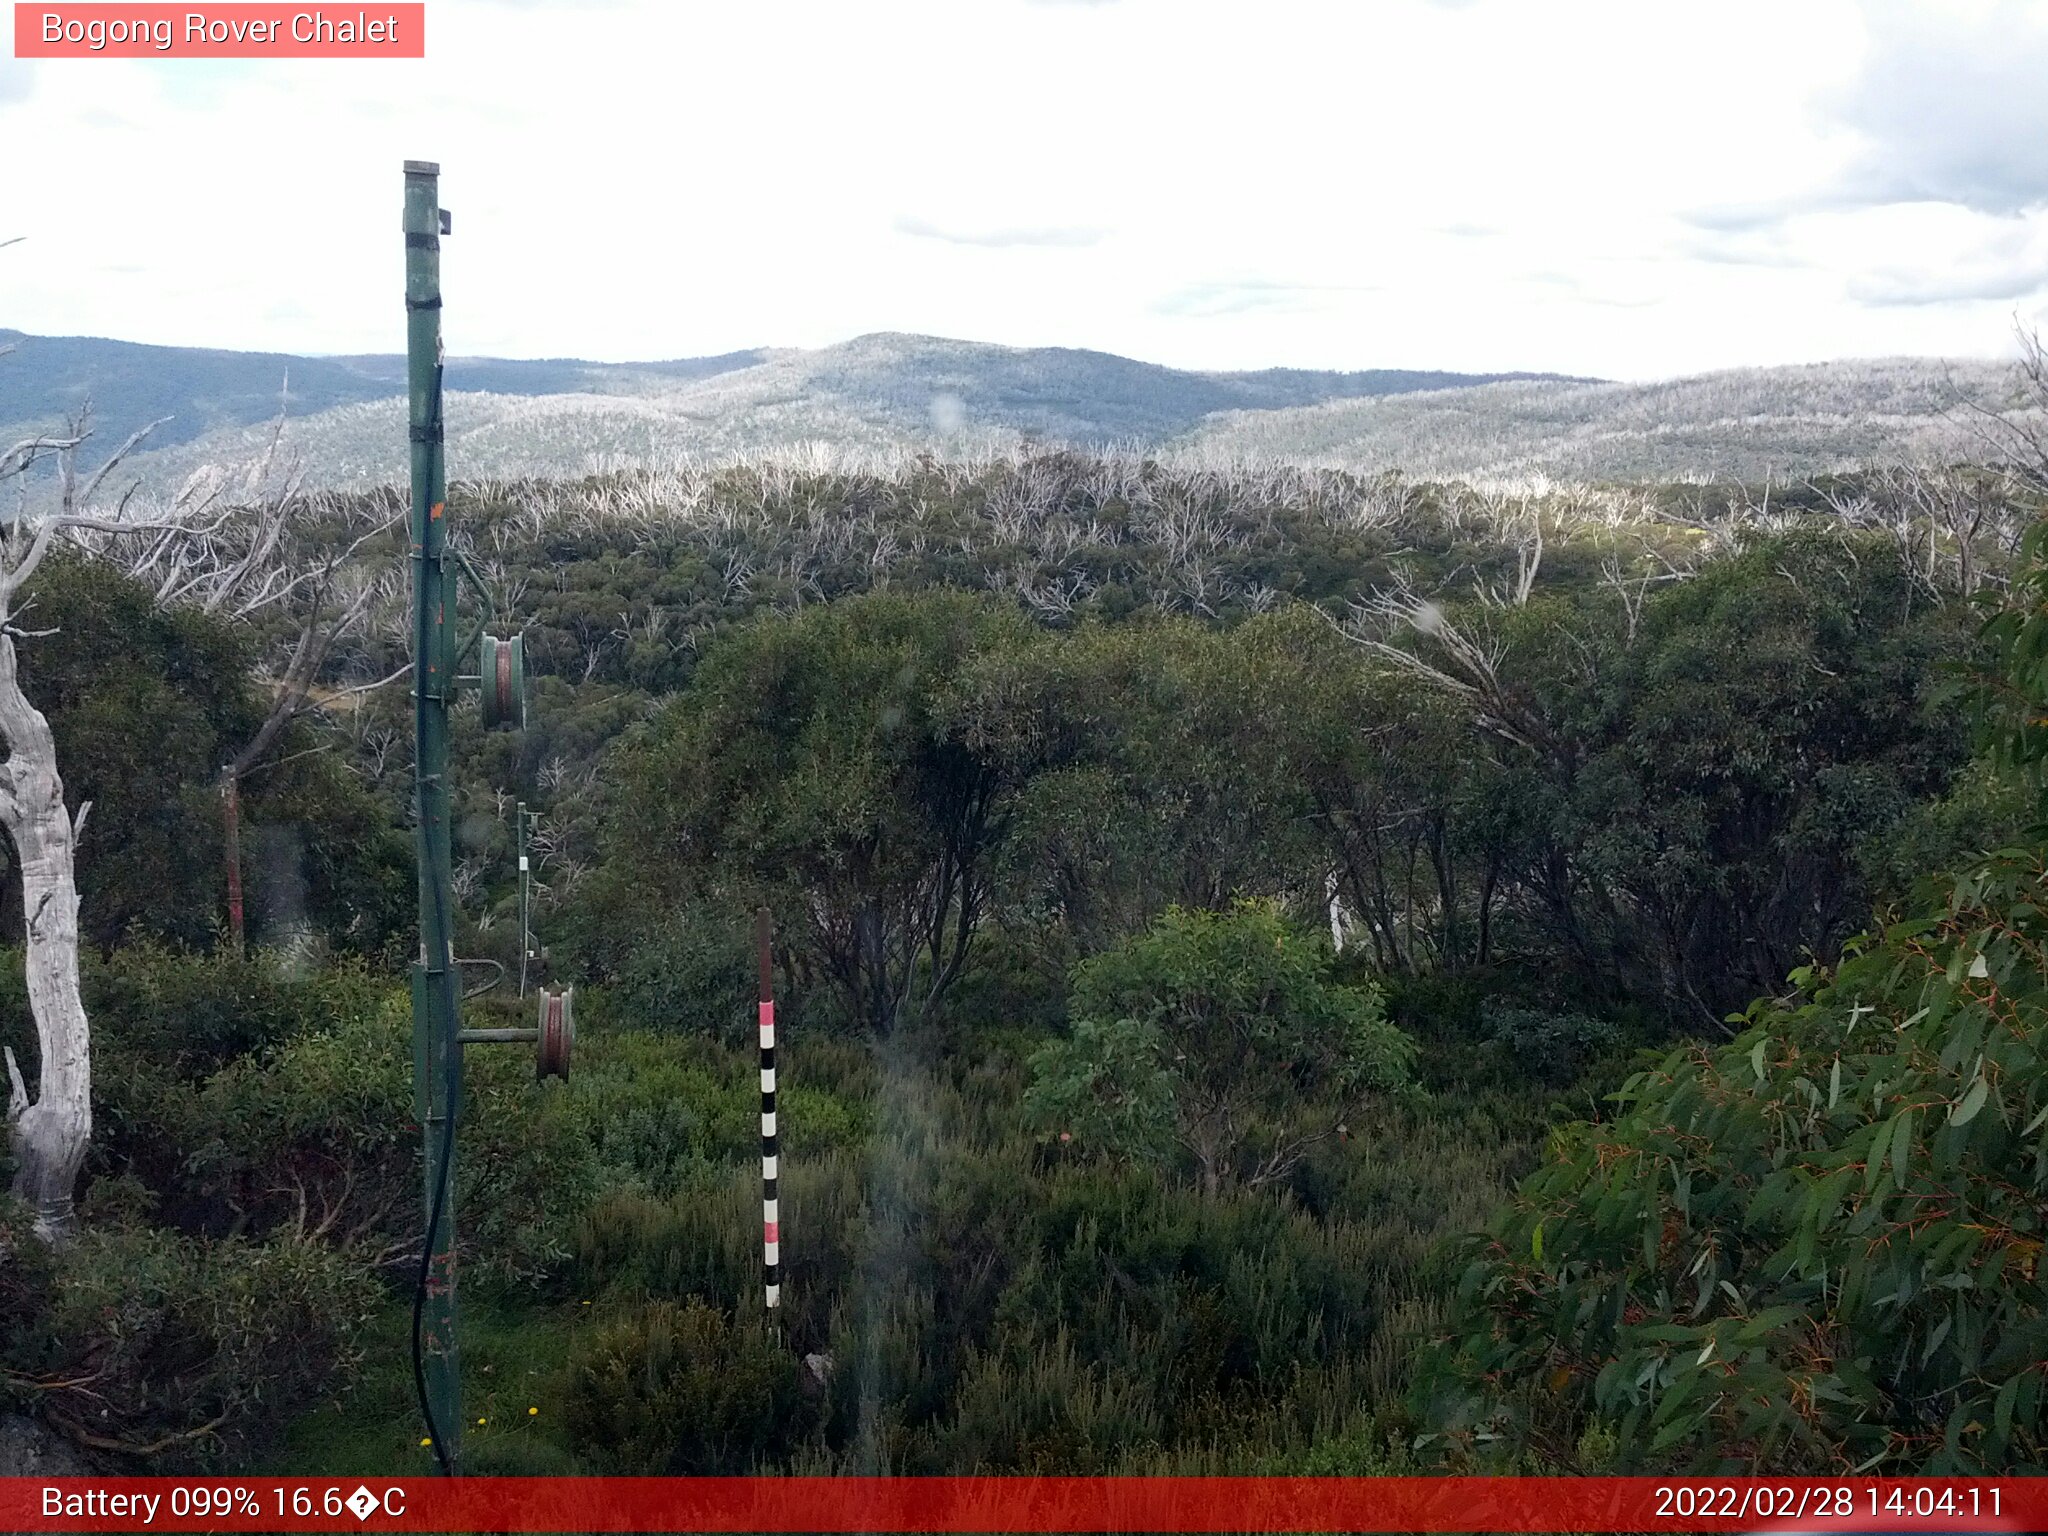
pixel 764 928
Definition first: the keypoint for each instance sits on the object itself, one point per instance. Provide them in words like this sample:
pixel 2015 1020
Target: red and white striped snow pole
pixel 771 1222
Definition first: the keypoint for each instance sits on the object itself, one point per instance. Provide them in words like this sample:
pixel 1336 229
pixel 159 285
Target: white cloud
pixel 1487 184
pixel 1932 254
pixel 1051 236
pixel 1948 106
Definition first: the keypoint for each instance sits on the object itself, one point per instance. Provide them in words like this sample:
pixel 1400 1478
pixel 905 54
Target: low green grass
pixel 513 1361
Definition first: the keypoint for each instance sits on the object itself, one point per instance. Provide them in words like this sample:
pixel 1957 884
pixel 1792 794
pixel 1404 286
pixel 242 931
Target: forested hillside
pixel 1202 898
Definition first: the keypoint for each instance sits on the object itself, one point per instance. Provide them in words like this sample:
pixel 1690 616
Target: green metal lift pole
pixel 437 1053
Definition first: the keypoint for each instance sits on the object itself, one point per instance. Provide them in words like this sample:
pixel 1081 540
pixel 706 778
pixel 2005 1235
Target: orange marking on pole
pixel 435 514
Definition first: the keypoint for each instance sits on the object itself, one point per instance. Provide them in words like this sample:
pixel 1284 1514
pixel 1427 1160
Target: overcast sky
pixel 1632 189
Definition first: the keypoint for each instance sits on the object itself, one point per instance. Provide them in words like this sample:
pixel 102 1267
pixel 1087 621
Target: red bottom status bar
pixel 1003 1504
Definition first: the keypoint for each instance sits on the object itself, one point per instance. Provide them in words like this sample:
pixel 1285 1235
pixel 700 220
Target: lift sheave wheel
pixel 502 685
pixel 557 1034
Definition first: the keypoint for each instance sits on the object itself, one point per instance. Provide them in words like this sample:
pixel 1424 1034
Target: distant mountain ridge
pixel 875 388
pixel 886 396
pixel 1743 424
pixel 205 389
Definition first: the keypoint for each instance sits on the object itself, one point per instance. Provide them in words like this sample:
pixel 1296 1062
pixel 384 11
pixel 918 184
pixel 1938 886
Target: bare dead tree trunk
pixel 231 818
pixel 51 1132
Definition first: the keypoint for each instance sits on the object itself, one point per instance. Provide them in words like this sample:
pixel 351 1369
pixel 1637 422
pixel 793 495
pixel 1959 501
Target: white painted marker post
pixel 771 1221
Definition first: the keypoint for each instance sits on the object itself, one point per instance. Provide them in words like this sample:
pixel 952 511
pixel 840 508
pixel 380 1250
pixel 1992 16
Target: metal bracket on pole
pixel 476 578
pixel 525 898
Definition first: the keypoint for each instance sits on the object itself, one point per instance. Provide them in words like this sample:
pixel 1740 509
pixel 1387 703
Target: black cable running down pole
pixel 451 1092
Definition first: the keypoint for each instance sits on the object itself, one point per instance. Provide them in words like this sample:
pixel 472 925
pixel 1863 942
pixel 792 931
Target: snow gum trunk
pixel 50 1133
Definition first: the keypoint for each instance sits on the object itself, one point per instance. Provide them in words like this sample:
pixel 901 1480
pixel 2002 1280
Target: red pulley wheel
pixel 557 1034
pixel 503 682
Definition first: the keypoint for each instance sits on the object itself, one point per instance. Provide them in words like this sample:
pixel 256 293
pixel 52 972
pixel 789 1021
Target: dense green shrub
pixel 1554 1047
pixel 1818 1246
pixel 233 1097
pixel 814 766
pixel 1815 1247
pixel 692 973
pixel 1163 762
pixel 1703 780
pixel 1137 1325
pixel 181 1015
pixel 1202 1033
pixel 685 1389
pixel 146 703
pixel 164 1022
pixel 1675 832
pixel 138 1340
